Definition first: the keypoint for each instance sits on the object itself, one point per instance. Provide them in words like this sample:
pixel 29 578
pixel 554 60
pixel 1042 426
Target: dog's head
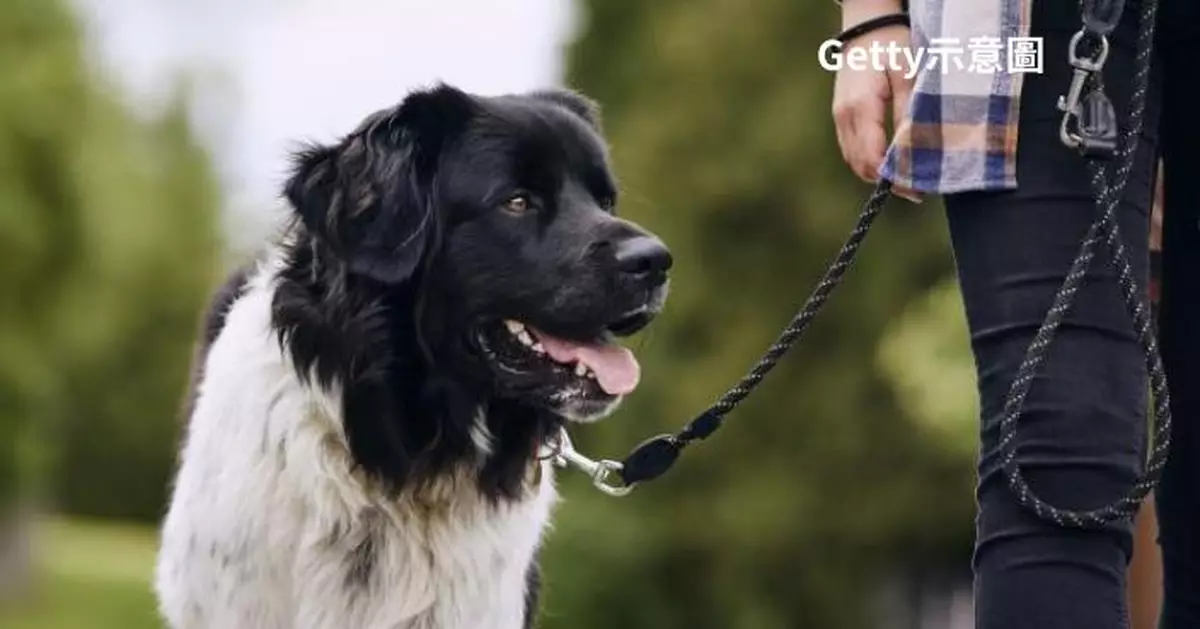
pixel 491 219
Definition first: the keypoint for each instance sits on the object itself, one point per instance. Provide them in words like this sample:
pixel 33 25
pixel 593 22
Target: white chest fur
pixel 270 529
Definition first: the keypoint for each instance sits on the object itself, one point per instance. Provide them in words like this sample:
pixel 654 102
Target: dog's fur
pixel 363 448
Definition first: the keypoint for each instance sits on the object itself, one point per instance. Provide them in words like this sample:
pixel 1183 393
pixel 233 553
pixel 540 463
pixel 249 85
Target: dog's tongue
pixel 616 369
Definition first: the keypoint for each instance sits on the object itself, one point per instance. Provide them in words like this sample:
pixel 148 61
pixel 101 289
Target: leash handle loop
pixel 1108 184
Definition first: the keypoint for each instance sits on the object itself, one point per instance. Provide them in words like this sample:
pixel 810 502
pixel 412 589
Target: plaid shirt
pixel 960 133
pixel 961 129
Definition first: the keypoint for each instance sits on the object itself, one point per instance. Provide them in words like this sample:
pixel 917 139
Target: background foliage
pixel 828 477
pixel 849 469
pixel 109 238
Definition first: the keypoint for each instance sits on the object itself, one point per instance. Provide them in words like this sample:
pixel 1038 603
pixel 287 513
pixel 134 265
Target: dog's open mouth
pixel 598 369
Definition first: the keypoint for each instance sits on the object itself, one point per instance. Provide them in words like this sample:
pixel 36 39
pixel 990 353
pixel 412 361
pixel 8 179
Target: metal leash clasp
pixel 1088 122
pixel 599 471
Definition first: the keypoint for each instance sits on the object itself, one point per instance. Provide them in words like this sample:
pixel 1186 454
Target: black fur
pixel 533 593
pixel 582 107
pixel 360 562
pixel 402 255
pixel 211 326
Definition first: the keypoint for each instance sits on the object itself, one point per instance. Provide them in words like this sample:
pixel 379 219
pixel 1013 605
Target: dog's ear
pixel 369 197
pixel 575 102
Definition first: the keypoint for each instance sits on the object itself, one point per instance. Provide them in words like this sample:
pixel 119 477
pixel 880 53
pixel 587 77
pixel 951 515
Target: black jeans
pixel 1083 430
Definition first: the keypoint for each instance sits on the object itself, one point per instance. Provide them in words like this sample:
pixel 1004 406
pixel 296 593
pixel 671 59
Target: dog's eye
pixel 519 204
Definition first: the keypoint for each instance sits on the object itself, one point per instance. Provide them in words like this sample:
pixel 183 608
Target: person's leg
pixel 1082 429
pixel 1178 497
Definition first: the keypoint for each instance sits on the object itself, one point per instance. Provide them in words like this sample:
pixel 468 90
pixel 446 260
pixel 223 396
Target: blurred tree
pixel 108 226
pixel 826 482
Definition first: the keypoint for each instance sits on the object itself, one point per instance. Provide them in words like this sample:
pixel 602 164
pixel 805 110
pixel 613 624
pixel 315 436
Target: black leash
pixel 1095 131
pixel 1089 126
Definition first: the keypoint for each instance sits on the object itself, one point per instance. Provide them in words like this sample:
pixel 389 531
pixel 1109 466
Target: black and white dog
pixel 366 445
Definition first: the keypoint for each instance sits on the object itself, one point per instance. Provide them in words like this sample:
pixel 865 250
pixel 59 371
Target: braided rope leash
pixel 656 455
pixel 1109 191
pixel 1095 141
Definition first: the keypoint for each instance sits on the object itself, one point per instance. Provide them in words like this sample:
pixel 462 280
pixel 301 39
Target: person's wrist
pixel 855 12
pixel 887 21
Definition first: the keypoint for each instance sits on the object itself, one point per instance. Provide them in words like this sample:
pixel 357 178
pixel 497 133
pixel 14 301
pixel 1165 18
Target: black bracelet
pixel 903 4
pixel 873 24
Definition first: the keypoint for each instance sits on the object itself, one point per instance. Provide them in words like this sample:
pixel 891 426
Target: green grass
pixel 91 576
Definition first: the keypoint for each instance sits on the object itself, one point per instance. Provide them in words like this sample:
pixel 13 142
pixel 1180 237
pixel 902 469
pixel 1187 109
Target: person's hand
pixel 864 98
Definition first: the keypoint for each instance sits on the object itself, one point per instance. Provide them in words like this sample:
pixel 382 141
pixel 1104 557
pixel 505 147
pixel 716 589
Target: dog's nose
pixel 643 256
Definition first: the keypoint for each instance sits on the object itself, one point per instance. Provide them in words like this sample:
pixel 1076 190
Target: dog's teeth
pixel 580 370
pixel 524 337
pixel 537 347
pixel 591 375
pixel 516 327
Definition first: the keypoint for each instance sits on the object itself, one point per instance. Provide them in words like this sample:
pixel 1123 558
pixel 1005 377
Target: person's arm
pixel 862 98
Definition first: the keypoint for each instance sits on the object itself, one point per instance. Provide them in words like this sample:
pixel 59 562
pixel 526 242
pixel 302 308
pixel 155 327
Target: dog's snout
pixel 643 256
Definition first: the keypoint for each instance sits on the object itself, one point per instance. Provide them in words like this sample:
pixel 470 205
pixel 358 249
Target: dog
pixel 376 397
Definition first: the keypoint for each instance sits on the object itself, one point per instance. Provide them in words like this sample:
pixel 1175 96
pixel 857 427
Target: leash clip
pixel 599 471
pixel 1089 122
